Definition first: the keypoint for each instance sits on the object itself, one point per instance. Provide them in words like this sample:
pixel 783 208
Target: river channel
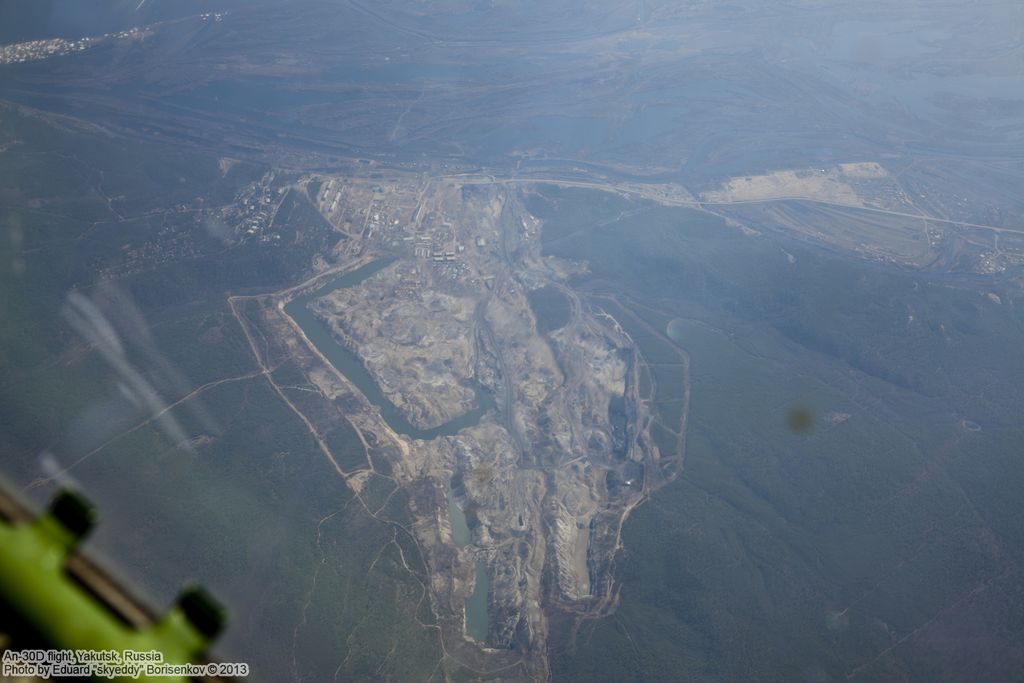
pixel 348 364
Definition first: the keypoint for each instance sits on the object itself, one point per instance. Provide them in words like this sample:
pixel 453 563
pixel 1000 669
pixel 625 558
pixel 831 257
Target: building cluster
pixel 41 49
pixel 436 243
pixel 411 280
pixel 433 239
pixel 391 217
pixel 329 196
pixel 35 50
pixel 175 240
pixel 990 263
pixel 252 213
pixel 339 202
pixel 426 246
pixel 379 220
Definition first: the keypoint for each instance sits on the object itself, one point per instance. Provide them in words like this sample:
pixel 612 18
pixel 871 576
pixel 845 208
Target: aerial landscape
pixel 515 341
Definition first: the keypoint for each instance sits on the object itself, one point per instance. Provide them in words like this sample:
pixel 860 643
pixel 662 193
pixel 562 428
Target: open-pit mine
pixel 503 403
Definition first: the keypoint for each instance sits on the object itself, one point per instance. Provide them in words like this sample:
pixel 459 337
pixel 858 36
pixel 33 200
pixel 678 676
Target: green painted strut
pixel 34 583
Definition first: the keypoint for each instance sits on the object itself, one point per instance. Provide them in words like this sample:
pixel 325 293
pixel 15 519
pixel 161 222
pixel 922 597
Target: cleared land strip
pixel 639 191
pixel 155 416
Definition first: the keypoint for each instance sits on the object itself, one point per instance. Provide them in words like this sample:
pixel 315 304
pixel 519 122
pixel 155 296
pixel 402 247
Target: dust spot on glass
pixel 218 229
pixel 676 330
pixel 837 621
pixel 800 420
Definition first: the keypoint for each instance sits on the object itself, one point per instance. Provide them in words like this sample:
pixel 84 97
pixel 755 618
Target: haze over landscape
pixel 530 341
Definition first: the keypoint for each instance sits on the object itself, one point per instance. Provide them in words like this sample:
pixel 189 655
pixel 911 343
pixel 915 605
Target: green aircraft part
pixel 35 584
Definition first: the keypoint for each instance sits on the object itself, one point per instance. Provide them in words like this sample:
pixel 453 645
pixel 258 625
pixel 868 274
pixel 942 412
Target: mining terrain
pixel 502 419
pixel 502 402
